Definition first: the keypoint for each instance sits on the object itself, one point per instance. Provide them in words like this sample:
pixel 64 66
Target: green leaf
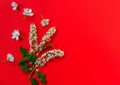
pixel 27 56
pixel 32 58
pixel 34 81
pixel 42 77
pixel 24 67
pixel 24 59
pixel 24 52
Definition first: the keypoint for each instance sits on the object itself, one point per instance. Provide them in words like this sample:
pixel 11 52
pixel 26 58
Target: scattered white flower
pixel 28 12
pixel 15 34
pixel 10 57
pixel 14 5
pixel 45 22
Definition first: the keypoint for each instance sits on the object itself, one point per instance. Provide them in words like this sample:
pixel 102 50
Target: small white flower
pixel 28 12
pixel 10 57
pixel 15 34
pixel 14 5
pixel 37 70
pixel 36 66
pixel 45 22
pixel 30 68
pixel 30 63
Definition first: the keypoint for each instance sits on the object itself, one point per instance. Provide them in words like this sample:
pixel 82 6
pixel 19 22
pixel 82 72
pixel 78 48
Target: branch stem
pixel 31 73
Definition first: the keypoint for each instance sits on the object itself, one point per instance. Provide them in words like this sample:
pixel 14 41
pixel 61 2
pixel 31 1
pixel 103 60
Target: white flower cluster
pixel 33 39
pixel 47 37
pixel 48 56
pixel 14 5
pixel 48 34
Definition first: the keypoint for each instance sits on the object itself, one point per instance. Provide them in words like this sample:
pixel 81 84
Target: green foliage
pixel 24 67
pixel 32 58
pixel 24 59
pixel 24 52
pixel 27 56
pixel 34 81
pixel 42 77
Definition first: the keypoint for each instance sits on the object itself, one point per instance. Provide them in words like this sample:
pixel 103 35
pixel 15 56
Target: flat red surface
pixel 87 30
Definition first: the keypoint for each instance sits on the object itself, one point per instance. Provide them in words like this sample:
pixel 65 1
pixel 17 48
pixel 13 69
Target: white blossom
pixel 10 57
pixel 14 5
pixel 37 70
pixel 28 12
pixel 33 39
pixel 50 33
pixel 41 61
pixel 30 68
pixel 45 22
pixel 15 34
pixel 47 37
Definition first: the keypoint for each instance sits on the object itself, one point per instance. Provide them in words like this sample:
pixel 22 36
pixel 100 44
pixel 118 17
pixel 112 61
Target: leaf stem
pixel 31 73
pixel 42 16
pixel 3 60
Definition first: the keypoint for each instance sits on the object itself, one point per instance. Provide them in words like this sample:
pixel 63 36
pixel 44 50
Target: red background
pixel 87 30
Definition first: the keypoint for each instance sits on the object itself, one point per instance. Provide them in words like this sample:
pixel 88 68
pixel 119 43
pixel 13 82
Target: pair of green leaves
pixel 41 76
pixel 27 57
